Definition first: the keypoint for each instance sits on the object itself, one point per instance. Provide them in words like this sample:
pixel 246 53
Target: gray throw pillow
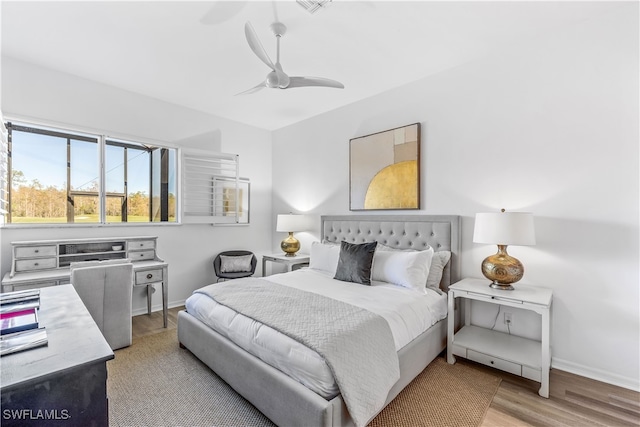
pixel 235 263
pixel 354 264
pixel 438 263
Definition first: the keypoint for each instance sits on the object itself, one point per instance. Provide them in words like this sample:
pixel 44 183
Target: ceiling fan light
pixel 312 6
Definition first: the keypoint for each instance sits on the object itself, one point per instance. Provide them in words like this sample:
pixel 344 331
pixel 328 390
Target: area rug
pixel 155 383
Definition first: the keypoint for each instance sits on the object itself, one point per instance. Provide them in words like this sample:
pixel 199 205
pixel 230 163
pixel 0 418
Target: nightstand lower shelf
pixel 509 353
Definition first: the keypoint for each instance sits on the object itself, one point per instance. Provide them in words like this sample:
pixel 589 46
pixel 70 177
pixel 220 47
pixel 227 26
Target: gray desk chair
pixel 234 264
pixel 106 290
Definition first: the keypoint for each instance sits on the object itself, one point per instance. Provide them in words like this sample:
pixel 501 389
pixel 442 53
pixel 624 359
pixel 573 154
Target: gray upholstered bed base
pixel 282 399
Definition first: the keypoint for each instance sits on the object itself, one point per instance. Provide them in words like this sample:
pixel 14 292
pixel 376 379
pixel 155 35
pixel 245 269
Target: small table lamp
pixel 290 223
pixel 503 228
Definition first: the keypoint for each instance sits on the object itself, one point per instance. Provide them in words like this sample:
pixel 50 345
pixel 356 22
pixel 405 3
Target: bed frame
pixel 285 401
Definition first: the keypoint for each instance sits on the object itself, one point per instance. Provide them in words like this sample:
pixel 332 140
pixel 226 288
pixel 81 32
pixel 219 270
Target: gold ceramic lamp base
pixel 290 245
pixel 502 269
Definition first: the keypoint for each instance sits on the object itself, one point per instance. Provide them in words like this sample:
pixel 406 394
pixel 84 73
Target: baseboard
pixel 596 374
pixel 156 307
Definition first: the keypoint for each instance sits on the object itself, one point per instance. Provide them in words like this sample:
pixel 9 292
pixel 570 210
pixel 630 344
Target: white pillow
pixel 438 262
pixel 408 269
pixel 324 257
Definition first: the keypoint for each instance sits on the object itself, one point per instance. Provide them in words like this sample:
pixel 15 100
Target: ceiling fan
pixel 277 78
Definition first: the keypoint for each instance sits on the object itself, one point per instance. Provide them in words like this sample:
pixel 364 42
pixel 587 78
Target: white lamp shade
pixel 291 223
pixel 504 228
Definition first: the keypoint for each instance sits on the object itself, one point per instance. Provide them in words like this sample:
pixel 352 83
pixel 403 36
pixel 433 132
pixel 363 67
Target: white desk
pixel 68 376
pixel 45 263
pixel 147 273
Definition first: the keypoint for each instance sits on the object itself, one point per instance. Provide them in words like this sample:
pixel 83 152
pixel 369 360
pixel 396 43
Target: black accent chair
pixel 217 261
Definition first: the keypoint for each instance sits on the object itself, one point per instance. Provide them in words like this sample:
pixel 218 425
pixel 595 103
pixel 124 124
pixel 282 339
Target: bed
pixel 285 400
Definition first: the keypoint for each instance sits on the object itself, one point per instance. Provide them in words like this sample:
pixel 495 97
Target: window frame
pixel 163 178
pixel 4 172
pixel 101 139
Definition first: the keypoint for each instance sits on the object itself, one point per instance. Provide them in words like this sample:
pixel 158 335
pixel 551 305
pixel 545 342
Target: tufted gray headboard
pixel 441 232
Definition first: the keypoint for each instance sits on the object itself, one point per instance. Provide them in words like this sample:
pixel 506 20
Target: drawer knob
pixel 36 264
pixel 491 361
pixel 37 250
pixel 149 276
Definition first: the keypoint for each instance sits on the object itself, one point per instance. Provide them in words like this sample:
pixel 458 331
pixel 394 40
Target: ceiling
pixel 194 54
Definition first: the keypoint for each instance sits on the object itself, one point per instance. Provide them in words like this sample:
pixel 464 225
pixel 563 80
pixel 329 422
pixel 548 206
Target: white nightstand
pixel 520 356
pixel 289 261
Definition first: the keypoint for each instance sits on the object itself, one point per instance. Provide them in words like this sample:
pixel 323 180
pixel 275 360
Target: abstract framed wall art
pixel 384 170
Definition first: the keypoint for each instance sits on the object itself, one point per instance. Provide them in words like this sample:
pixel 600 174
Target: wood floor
pixel 574 401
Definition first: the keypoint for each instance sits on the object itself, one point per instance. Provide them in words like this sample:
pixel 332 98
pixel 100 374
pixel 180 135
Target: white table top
pixel 527 293
pixel 281 257
pixel 74 340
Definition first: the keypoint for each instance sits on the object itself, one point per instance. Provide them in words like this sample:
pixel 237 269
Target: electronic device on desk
pixel 19 325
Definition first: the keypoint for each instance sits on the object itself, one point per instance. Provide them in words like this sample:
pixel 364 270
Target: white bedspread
pixel 409 313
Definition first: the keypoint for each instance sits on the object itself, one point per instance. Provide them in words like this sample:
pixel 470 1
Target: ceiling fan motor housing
pixel 272 80
pixel 278 28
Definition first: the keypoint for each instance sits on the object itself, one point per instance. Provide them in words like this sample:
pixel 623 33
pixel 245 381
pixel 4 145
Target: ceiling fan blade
pixel 254 89
pixel 256 46
pixel 313 81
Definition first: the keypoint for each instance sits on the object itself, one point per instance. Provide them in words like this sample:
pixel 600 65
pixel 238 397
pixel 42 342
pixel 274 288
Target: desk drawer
pixel 142 255
pixel 35 251
pixel 478 296
pixel 141 244
pixel 494 362
pixel 35 285
pixel 148 276
pixel 35 264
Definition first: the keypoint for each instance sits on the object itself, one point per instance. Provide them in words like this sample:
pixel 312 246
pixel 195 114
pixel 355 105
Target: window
pixel 140 182
pixel 4 172
pixel 55 176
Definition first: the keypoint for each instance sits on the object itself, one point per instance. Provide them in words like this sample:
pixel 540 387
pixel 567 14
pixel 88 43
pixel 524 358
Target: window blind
pixel 206 198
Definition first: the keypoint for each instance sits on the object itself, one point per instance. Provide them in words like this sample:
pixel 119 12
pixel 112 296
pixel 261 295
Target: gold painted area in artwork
pixel 394 187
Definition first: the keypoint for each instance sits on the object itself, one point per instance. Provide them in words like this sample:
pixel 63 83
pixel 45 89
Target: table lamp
pixel 290 223
pixel 503 229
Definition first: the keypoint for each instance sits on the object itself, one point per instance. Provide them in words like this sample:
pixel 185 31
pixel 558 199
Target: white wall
pixel 550 128
pixel 56 98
